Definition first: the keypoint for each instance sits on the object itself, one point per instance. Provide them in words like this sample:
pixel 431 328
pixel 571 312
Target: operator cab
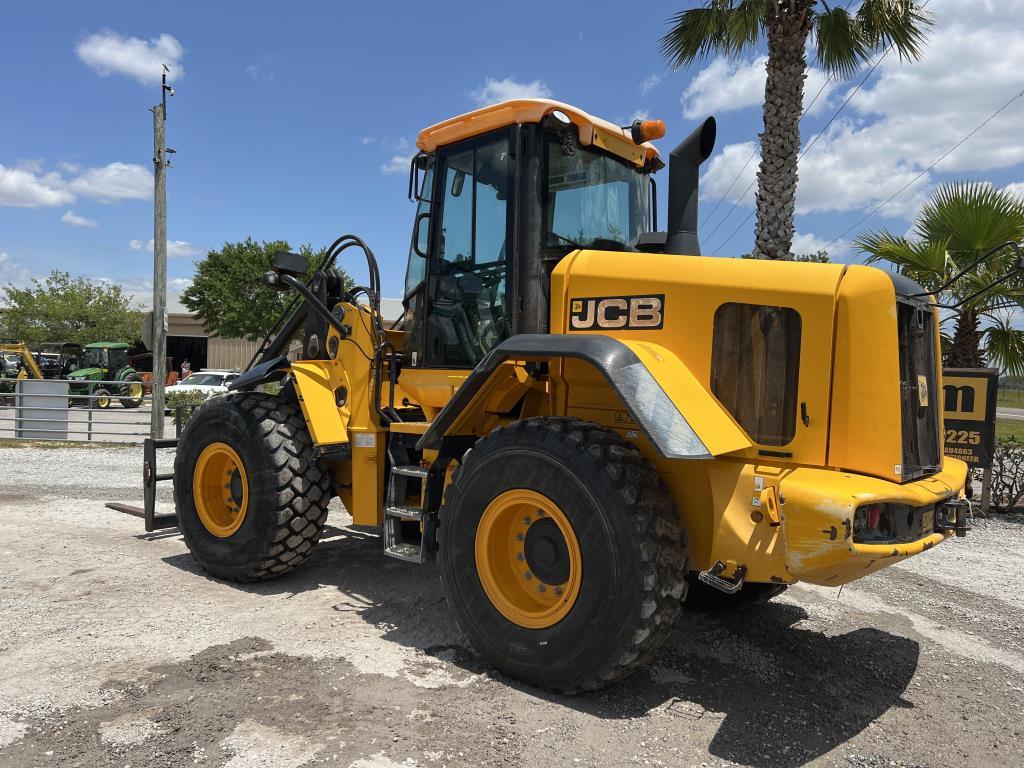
pixel 504 194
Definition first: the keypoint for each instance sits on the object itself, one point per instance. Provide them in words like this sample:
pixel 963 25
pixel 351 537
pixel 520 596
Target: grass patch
pixel 1010 398
pixel 1009 428
pixel 7 442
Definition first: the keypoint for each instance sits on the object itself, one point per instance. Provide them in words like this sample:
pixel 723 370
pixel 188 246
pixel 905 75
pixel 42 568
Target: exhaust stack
pixel 683 184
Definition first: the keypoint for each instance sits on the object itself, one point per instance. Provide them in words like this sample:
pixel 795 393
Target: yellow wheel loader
pixel 579 416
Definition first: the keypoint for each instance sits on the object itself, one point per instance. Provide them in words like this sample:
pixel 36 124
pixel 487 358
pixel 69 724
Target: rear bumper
pixel 818 517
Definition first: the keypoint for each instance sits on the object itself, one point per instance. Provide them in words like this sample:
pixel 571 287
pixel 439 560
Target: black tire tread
pixel 657 530
pixel 302 486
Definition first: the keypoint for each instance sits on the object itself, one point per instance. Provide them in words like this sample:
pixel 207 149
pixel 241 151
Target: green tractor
pixel 106 375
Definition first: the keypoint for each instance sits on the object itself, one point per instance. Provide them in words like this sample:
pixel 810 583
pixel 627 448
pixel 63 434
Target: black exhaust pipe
pixel 683 185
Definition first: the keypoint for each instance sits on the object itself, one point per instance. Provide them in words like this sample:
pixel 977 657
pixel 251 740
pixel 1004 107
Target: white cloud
pixel 649 84
pixel 21 188
pixel 111 53
pixel 175 248
pixel 494 91
pixel 12 272
pixel 397 164
pixel 1015 189
pixel 114 181
pixel 725 85
pixel 723 167
pixel 29 187
pixel 72 218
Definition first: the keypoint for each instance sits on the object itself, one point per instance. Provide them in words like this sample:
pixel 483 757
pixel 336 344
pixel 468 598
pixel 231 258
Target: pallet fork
pixel 150 477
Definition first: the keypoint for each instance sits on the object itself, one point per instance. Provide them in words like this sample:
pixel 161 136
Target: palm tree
pixel 959 224
pixel 844 42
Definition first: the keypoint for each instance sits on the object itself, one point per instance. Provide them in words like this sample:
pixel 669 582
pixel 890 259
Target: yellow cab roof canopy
pixel 592 130
pixel 684 160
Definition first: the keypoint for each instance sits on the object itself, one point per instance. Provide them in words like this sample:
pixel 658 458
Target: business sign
pixel 969 412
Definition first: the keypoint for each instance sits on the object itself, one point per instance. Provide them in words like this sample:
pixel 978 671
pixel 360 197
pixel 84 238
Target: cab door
pixel 468 269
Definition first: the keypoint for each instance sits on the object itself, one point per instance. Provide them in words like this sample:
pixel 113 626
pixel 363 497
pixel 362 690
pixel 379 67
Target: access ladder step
pixel 404 513
pixel 411 553
pixel 728 586
pixel 410 470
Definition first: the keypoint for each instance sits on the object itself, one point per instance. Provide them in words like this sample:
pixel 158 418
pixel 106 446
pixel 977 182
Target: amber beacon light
pixel 647 130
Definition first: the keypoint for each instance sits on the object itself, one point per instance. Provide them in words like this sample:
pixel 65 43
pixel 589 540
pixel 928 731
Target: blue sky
pixel 296 120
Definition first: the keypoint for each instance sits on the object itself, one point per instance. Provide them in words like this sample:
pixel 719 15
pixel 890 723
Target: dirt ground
pixel 115 650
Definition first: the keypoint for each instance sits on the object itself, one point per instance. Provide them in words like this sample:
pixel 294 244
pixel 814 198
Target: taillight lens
pixel 867 518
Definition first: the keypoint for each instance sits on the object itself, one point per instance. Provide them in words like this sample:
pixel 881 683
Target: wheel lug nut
pixel 526 521
pixel 541 588
pixel 558 590
pixel 519 537
pixel 520 556
pixel 527 575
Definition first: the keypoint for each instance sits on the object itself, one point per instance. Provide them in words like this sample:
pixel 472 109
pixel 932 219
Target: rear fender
pixel 676 413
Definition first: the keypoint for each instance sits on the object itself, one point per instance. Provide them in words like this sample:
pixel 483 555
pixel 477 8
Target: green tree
pixel 227 290
pixel 66 308
pixel 817 257
pixel 844 42
pixel 955 227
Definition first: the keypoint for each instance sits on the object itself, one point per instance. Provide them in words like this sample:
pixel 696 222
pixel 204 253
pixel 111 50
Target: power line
pixel 736 178
pixel 917 178
pixel 754 153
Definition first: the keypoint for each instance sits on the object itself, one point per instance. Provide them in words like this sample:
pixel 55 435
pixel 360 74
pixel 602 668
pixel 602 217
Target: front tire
pixel 101 398
pixel 250 497
pixel 135 389
pixel 561 554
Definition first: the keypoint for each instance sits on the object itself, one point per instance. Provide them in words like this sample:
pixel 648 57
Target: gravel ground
pixel 116 650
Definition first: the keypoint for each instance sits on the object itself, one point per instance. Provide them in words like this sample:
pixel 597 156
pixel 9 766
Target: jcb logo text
pixel 635 312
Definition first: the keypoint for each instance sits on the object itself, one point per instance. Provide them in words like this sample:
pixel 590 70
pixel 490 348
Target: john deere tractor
pixel 581 418
pixel 106 375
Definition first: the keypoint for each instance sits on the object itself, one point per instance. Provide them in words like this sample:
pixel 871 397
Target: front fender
pixel 677 414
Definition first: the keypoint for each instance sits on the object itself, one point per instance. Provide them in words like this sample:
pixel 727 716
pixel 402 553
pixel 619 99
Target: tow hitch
pixel 952 516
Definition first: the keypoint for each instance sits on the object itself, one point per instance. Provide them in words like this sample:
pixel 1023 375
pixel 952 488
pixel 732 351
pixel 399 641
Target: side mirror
pixel 419 239
pixel 294 264
pixel 458 182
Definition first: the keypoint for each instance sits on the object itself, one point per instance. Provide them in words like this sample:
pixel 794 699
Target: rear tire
pixel 277 488
pixel 705 598
pixel 626 561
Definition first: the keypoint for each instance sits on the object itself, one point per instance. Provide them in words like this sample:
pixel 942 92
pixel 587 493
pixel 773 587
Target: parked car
pixel 209 383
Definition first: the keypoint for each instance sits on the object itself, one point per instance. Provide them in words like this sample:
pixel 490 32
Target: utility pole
pixel 160 164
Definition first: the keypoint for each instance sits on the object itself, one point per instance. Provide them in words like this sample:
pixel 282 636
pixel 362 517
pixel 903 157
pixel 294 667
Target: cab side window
pixel 755 366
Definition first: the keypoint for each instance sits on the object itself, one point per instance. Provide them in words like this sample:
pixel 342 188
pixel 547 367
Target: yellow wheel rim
pixel 103 401
pixel 220 488
pixel 528 559
pixel 135 391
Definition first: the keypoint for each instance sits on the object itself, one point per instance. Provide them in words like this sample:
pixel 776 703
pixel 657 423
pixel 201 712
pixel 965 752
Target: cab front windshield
pixel 593 199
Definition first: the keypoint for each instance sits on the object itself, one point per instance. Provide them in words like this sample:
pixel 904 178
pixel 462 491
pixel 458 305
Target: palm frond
pixel 925 262
pixel 841 46
pixel 1004 346
pixel 902 24
pixel 719 26
pixel 974 216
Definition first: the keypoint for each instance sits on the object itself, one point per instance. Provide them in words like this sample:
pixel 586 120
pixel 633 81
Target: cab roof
pixel 107 345
pixel 592 130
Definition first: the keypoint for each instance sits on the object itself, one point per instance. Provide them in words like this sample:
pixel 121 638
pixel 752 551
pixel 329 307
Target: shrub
pixel 1008 474
pixel 188 400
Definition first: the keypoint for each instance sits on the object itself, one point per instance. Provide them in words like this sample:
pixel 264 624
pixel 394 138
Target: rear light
pixel 892 522
pixel 867 519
